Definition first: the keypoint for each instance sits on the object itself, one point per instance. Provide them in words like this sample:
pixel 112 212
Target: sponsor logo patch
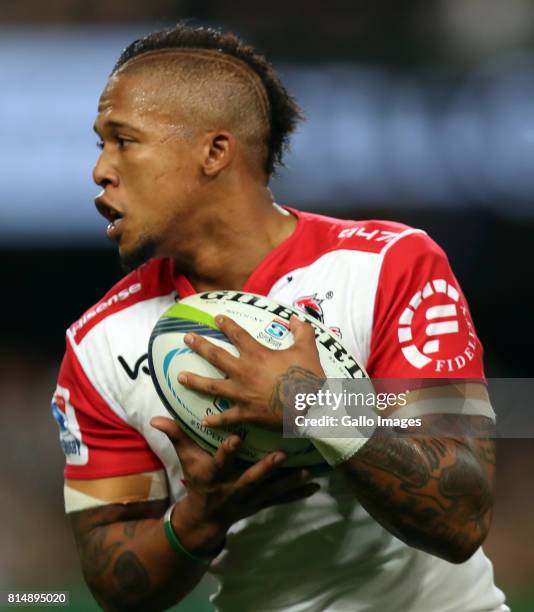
pixel 133 371
pixel 104 305
pixel 70 437
pixel 435 328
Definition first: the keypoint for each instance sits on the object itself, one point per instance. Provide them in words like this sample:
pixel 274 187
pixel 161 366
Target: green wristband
pixel 175 542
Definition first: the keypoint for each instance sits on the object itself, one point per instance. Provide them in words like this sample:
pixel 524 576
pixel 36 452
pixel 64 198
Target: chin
pixel 132 258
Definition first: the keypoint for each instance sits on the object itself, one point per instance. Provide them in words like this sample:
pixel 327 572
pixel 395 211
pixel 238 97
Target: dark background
pixel 485 225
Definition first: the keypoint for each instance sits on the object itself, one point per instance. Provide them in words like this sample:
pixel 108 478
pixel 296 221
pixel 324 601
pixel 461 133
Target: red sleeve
pixel 422 325
pixel 97 442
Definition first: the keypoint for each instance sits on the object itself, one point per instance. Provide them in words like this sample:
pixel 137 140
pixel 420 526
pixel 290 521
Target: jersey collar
pixel 275 264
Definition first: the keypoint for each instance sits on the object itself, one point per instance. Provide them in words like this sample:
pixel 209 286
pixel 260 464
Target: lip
pixel 112 214
pixel 114 229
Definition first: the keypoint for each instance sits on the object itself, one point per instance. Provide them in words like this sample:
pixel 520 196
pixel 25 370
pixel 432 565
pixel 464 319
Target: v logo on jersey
pixel 133 373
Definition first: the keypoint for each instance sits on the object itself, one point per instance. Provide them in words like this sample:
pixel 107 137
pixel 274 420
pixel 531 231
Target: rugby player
pixel 192 124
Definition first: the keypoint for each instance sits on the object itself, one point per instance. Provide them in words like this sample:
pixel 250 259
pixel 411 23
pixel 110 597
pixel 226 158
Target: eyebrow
pixel 115 125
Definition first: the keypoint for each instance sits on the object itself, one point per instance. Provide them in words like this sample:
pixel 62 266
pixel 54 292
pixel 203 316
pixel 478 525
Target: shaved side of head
pixel 206 90
pixel 212 80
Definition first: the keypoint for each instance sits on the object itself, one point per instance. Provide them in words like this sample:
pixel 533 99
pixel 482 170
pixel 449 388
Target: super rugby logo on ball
pixel 277 329
pixel 268 322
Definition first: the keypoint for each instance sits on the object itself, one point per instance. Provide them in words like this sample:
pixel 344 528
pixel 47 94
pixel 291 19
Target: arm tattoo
pixel 294 380
pixel 131 575
pixel 129 529
pixel 105 545
pixel 430 490
pixel 98 553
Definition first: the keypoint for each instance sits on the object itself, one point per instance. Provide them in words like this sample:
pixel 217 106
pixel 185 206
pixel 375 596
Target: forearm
pixel 433 493
pixel 131 565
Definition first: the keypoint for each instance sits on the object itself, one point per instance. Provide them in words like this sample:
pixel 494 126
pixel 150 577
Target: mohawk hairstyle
pixel 283 113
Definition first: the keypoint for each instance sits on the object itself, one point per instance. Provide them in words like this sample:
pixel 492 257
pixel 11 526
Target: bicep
pixel 448 459
pixel 104 533
pixel 111 501
pixel 444 415
pixel 84 522
pixel 473 436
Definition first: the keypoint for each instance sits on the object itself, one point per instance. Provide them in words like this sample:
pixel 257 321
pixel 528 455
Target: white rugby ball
pixel 268 322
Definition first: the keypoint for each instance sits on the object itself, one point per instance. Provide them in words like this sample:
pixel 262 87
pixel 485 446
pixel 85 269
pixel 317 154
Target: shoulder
pixel 368 235
pixel 151 280
pixel 413 254
pixel 106 349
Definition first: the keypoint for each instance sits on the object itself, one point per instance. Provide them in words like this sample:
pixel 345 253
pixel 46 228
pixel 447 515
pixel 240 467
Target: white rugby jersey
pixel 390 294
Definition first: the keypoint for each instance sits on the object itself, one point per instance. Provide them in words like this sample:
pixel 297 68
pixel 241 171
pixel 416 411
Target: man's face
pixel 148 168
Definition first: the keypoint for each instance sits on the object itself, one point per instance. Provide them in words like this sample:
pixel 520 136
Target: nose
pixel 103 173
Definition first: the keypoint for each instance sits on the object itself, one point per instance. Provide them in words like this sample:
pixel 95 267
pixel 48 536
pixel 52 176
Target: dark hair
pixel 284 112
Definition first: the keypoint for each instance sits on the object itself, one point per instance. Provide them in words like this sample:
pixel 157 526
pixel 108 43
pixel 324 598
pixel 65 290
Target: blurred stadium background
pixel 419 111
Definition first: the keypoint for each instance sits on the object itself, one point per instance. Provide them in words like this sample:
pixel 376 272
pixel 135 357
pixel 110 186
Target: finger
pixel 226 453
pixel 302 331
pixel 170 428
pixel 216 355
pixel 211 386
pixel 237 335
pixel 260 470
pixel 304 343
pixel 183 444
pixel 232 416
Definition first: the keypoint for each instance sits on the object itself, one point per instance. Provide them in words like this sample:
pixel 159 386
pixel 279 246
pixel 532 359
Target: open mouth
pixel 107 211
pixel 114 217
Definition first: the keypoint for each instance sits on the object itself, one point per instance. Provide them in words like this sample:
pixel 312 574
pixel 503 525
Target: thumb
pixel 171 429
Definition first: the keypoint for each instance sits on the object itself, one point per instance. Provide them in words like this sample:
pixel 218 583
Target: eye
pixel 122 142
pixel 100 145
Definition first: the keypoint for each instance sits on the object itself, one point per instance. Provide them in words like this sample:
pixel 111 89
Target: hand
pixel 261 382
pixel 219 494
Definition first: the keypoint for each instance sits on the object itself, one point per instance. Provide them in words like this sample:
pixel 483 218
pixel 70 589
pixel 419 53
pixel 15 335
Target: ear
pixel 219 152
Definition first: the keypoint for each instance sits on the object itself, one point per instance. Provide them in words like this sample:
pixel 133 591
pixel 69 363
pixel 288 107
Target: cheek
pixel 171 192
pixel 162 177
pixel 159 185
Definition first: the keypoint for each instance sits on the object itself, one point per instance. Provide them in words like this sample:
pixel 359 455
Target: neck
pixel 230 246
